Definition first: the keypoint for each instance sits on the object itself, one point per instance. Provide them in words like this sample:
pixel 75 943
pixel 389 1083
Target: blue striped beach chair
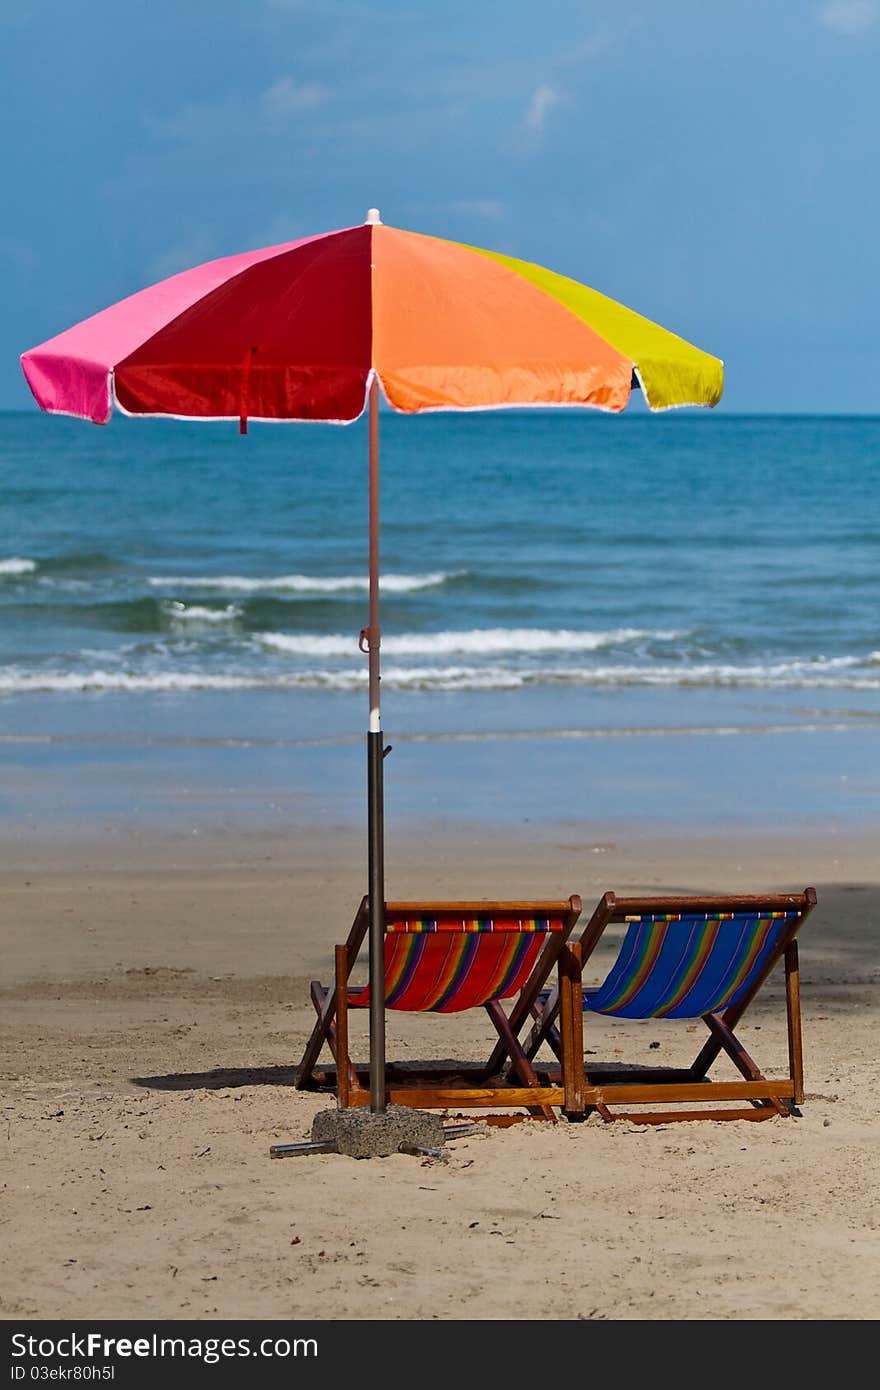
pixel 680 958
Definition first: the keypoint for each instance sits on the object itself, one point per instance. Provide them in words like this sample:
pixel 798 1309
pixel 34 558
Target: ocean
pixel 536 549
pixel 545 572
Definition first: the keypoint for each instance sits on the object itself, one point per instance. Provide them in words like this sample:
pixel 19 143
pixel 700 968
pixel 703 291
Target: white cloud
pixel 19 254
pixel 478 207
pixel 277 230
pixel 542 101
pixel 287 97
pixel 197 121
pixel 596 44
pixel 207 122
pixel 198 246
pixel 848 16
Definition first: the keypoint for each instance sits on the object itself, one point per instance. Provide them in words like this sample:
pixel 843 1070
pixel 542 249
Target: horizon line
pixel 695 412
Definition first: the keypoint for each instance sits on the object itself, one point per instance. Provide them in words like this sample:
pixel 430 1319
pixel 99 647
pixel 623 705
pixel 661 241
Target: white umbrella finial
pixel 374 218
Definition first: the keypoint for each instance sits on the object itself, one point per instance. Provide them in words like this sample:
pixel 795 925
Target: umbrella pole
pixel 375 789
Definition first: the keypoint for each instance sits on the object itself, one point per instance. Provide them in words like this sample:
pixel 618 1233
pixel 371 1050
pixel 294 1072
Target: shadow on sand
pixel 218 1079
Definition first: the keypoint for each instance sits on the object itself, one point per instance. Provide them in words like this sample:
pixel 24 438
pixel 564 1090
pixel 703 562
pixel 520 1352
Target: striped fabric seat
pixel 439 965
pixel 442 957
pixel 700 958
pixel 687 965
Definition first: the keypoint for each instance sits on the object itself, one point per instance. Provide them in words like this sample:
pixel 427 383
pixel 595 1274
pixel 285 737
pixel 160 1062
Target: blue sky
pixel 713 165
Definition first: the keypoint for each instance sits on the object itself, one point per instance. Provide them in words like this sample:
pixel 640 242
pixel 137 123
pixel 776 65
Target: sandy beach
pixel 155 1001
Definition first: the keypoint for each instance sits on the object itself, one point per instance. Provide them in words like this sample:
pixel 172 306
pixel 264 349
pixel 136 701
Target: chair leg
pixel 793 1011
pixel 543 1030
pixel 710 1050
pixel 572 1018
pixel 324 1003
pixel 704 1059
pixel 744 1064
pixel 524 1005
pixel 554 1042
pixel 519 1062
pixel 731 1017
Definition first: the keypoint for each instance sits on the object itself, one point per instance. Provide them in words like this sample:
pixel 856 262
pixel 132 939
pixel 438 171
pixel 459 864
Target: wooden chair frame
pixel 467 1085
pixel 597 1087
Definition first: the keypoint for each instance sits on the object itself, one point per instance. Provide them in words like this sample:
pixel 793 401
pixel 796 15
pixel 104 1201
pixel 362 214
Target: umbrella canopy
pixel 310 330
pixel 297 331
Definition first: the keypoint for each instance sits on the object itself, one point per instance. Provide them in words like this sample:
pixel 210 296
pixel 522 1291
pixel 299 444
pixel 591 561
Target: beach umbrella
pixel 314 329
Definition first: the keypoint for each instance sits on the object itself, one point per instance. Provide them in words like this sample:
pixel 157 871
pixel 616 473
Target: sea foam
pixel 840 673
pixel 194 614
pixel 301 583
pixel 474 642
pixel 16 565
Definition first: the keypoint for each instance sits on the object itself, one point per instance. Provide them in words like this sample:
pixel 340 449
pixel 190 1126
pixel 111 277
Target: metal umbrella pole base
pixel 359 1132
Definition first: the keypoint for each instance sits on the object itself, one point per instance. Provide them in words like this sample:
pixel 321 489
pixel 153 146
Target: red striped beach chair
pixel 680 958
pixel 444 957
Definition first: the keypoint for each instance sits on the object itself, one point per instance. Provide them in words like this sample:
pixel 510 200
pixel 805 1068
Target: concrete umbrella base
pixel 358 1132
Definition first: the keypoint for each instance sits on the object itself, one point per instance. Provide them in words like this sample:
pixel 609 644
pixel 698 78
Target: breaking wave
pixel 14 564
pixel 843 673
pixel 475 642
pixel 302 583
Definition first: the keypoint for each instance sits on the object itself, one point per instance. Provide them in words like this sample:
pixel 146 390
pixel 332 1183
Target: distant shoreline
pixel 719 412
